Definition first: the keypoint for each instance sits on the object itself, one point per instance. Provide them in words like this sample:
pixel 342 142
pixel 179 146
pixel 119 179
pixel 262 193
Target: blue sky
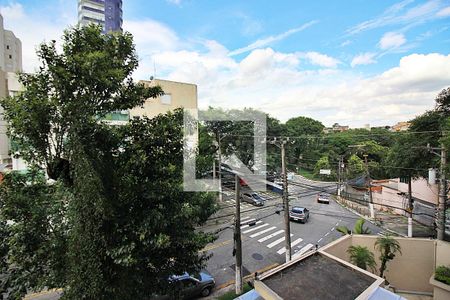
pixel 353 62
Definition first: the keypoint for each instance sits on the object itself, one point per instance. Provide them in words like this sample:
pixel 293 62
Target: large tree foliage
pixel 116 224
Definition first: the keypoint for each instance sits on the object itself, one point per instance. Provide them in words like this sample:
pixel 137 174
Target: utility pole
pixel 442 195
pixel 287 224
pixel 237 237
pixel 372 212
pixel 219 156
pixel 410 208
pixel 339 175
pixel 440 214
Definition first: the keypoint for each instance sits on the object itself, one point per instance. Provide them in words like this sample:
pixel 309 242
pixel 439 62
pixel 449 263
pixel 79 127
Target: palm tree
pixel 358 229
pixel 362 257
pixel 387 246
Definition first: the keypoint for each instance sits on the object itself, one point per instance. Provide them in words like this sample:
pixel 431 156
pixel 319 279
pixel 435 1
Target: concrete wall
pixel 442 253
pixel 409 271
pixel 182 95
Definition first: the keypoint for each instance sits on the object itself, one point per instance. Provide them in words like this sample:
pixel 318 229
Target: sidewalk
pixel 394 223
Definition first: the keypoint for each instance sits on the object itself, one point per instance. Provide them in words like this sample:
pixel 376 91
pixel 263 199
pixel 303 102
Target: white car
pixel 323 198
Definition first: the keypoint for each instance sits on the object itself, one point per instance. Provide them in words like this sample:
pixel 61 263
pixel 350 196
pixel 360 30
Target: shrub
pixel 442 274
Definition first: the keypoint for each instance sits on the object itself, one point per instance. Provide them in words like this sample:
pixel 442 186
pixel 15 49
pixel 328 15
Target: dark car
pixel 190 286
pixel 253 198
pixel 299 214
pixel 323 198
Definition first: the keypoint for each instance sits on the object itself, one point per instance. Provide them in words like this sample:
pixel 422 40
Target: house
pixel 176 95
pixel 327 273
pixel 336 128
pixel 401 126
pixel 393 194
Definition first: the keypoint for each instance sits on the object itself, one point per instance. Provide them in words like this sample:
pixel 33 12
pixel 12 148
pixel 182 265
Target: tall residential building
pixel 10 64
pixel 10 50
pixel 107 13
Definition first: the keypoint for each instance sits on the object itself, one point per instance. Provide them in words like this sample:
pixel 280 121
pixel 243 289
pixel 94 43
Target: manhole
pixel 257 256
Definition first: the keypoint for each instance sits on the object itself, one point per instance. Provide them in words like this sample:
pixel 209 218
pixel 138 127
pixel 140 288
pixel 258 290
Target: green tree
pixel 305 132
pixel 355 166
pixel 388 247
pixel 357 229
pixel 34 233
pixel 362 257
pixel 324 163
pixel 128 222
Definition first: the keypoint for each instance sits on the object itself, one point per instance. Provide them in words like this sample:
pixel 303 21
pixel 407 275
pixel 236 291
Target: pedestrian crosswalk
pixel 273 237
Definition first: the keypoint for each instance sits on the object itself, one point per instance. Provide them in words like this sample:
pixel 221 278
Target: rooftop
pixel 318 277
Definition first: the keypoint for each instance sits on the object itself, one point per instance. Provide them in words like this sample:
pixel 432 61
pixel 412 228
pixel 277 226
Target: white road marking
pixel 337 224
pixel 283 250
pixel 274 243
pixel 320 240
pixel 333 228
pixel 245 226
pixel 245 218
pixel 326 234
pixel 234 201
pixel 303 250
pixel 256 228
pixel 270 236
pixel 263 231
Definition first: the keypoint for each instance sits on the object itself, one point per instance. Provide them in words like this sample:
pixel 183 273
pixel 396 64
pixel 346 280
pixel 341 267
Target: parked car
pixel 300 214
pixel 323 198
pixel 253 198
pixel 190 286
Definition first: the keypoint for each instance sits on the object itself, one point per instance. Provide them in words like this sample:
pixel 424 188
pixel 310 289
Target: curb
pixel 368 219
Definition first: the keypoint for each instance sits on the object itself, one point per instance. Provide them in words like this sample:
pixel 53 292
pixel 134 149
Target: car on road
pixel 253 198
pixel 323 198
pixel 190 286
pixel 299 214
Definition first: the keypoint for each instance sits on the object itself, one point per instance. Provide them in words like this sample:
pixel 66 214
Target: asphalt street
pixel 263 244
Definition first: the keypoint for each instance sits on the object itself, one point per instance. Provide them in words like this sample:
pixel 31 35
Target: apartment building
pixel 176 95
pixel 107 13
pixel 10 64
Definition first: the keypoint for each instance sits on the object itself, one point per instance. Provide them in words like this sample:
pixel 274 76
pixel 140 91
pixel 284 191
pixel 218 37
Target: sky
pixel 353 62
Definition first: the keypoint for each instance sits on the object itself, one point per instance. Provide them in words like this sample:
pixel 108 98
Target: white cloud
pixel 399 14
pixel 13 11
pixel 261 43
pixel 345 43
pixel 363 59
pixel 445 12
pixel 319 59
pixel 282 84
pixel 176 2
pixel 33 27
pixel 279 84
pixel 151 36
pixel 392 40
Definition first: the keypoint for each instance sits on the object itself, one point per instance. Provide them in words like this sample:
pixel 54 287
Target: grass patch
pixel 231 294
pixel 308 174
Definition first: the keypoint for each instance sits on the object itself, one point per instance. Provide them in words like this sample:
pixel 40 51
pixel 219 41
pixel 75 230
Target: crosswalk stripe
pixel 263 231
pixel 245 226
pixel 244 218
pixel 256 228
pixel 297 241
pixel 234 201
pixel 274 243
pixel 303 250
pixel 270 236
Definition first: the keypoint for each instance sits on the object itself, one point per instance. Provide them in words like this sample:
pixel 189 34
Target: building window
pixel 166 99
pixel 7 46
pixel 10 56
